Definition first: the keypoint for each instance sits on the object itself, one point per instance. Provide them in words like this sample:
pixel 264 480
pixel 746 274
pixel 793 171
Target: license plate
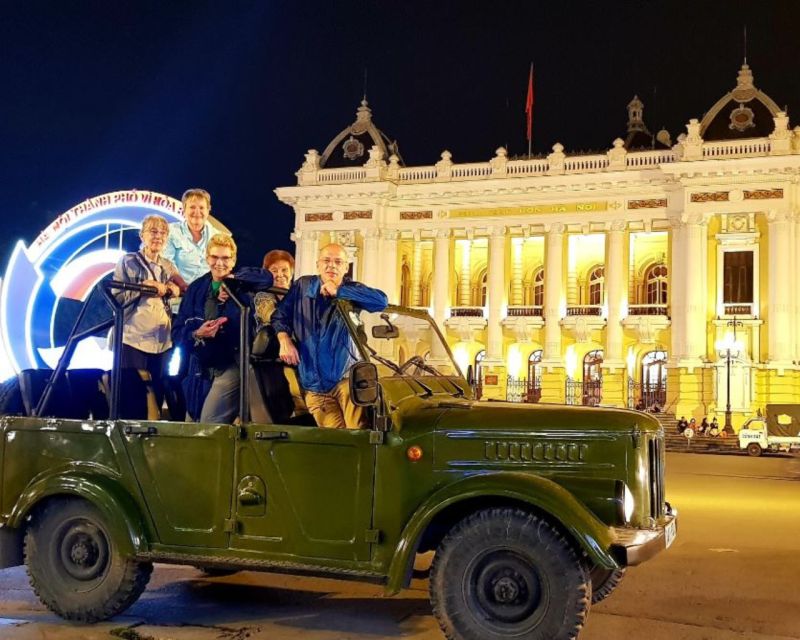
pixel 670 532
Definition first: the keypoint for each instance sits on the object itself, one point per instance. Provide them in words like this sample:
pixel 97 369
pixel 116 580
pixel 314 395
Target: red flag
pixel 529 105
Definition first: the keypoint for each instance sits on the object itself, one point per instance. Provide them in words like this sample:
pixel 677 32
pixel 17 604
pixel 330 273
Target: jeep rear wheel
pixel 604 581
pixel 754 449
pixel 75 566
pixel 503 573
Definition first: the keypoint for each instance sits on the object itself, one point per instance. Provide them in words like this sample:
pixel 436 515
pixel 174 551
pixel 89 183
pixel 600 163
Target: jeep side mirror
pixel 385 332
pixel 364 384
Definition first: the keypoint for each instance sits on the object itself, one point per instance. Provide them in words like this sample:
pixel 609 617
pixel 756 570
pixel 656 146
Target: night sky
pixel 114 94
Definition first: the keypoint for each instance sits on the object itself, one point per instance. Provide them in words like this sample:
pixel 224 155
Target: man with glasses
pixel 207 328
pixel 326 350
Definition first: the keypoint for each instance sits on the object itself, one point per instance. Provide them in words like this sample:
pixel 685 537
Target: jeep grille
pixel 656 460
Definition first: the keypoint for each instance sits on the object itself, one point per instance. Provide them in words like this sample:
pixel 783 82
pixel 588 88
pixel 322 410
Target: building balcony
pixel 745 309
pixel 647 310
pixel 585 310
pixel 466 312
pixel 524 311
pixel 466 322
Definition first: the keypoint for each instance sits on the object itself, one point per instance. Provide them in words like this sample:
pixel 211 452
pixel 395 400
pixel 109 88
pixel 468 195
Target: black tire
pixel 754 449
pixel 604 581
pixel 74 565
pixel 505 573
pixel 11 398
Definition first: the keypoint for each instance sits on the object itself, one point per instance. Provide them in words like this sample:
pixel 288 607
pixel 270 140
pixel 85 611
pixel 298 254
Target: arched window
pixel 591 365
pixel 538 288
pixel 597 279
pixel 592 378
pixel 533 392
pixel 405 285
pixel 534 364
pixel 482 290
pixel 656 284
pixel 479 358
pixel 654 379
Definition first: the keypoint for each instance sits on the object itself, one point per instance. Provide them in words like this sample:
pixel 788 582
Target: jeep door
pixel 185 471
pixel 304 491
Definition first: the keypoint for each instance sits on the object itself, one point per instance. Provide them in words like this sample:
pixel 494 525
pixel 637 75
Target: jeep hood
pixel 506 416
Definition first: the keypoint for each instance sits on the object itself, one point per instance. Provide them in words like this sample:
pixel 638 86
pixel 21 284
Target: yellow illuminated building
pixel 655 273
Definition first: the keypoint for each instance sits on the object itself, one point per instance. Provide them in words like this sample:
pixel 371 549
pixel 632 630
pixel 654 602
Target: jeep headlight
pixel 625 502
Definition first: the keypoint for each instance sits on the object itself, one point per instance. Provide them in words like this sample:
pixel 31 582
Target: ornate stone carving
pixel 416 215
pixel 326 216
pixel 358 215
pixel 764 194
pixel 618 225
pixel 443 233
pixel 390 234
pixel 652 203
pixel 372 232
pixel 709 196
pixel 556 228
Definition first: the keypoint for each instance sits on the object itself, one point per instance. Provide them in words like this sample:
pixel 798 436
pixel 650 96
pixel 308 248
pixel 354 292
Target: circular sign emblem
pixel 46 283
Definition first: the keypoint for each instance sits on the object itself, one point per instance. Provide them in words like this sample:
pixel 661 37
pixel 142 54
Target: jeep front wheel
pixel 754 449
pixel 604 581
pixel 505 573
pixel 75 566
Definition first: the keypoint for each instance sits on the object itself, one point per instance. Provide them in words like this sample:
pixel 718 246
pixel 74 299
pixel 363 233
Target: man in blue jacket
pixel 326 350
pixel 207 328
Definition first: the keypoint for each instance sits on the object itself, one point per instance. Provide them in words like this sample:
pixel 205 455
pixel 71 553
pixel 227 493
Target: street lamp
pixel 729 347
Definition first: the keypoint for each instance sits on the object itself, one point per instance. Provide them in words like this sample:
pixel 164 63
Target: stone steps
pixel 674 441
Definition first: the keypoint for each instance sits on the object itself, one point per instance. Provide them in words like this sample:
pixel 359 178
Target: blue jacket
pixel 326 349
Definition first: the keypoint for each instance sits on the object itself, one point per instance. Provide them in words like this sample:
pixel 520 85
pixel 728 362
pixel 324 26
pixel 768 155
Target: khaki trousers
pixel 335 410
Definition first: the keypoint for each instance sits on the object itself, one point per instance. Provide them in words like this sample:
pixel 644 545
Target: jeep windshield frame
pixel 415 348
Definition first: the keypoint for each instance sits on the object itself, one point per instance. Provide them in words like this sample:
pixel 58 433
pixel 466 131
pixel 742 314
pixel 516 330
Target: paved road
pixel 731 574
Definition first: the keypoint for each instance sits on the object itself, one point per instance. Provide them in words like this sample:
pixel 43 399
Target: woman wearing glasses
pixel 146 340
pixel 207 328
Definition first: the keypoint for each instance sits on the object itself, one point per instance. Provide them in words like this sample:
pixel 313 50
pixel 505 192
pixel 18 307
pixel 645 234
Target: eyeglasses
pixel 336 262
pixel 156 232
pixel 213 258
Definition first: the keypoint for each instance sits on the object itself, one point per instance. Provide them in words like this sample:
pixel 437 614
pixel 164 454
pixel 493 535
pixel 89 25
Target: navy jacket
pixel 220 351
pixel 326 349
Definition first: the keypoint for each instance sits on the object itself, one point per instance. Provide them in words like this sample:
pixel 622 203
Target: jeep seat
pixel 137 399
pixel 86 387
pixel 31 385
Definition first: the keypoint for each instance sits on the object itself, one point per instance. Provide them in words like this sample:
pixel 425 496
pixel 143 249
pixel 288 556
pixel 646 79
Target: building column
pixel 370 271
pixel 464 297
pixel 517 245
pixel 388 260
pixel 780 290
pixel 308 249
pixel 416 272
pixel 695 320
pixel 496 285
pixel 441 285
pixel 614 371
pixel 553 279
pixel 494 366
pixel 677 299
pixel 553 373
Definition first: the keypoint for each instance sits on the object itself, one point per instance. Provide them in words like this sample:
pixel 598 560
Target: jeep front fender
pixel 106 493
pixel 594 537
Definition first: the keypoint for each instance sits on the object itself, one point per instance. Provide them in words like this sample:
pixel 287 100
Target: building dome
pixel 744 112
pixel 351 147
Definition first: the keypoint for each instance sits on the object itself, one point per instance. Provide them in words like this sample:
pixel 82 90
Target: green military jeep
pixel 533 511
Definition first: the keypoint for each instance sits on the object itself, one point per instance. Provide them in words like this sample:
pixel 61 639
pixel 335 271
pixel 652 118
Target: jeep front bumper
pixel 634 546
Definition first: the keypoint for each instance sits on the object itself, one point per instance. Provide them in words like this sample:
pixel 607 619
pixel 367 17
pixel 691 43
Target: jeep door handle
pixel 272 435
pixel 249 497
pixel 138 430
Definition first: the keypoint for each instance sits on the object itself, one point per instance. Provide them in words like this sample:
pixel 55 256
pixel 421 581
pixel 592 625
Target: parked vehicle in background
pixel 778 430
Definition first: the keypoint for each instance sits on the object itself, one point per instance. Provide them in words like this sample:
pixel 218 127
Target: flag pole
pixel 529 111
